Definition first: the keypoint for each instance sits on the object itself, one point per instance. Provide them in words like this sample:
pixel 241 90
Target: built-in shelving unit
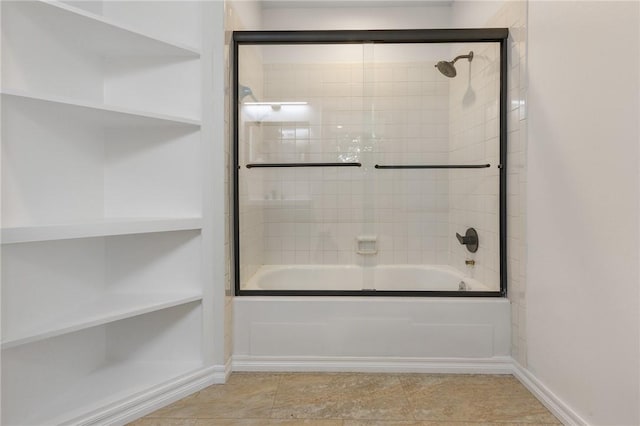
pixel 103 289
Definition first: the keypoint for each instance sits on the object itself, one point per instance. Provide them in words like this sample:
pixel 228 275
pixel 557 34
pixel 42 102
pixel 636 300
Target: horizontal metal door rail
pixel 252 165
pixel 434 166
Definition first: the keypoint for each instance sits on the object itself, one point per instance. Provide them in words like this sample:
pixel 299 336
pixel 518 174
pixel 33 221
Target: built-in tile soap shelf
pixel 367 244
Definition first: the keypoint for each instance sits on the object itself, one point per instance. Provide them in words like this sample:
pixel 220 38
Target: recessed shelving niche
pixel 103 289
pixel 67 376
pixel 104 33
pixel 55 287
pixel 71 164
pixel 59 50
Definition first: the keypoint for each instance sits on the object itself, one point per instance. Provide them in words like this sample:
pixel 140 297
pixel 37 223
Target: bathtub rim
pixel 367 292
pixel 373 293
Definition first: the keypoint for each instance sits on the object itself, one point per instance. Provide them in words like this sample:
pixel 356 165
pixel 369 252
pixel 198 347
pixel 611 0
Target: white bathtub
pixel 394 334
pixel 351 277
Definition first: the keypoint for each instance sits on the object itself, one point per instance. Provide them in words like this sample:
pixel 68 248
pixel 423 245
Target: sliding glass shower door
pixel 435 148
pixel 368 168
pixel 301 135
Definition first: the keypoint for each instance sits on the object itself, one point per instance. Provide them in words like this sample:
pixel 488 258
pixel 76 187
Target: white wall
pixel 474 13
pixel 582 292
pixel 244 15
pixel 355 18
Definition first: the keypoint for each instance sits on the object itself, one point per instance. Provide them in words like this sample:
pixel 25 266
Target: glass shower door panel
pixel 425 120
pixel 300 176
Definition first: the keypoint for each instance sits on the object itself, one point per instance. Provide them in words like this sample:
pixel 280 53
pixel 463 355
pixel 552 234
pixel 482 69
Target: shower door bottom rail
pixel 433 166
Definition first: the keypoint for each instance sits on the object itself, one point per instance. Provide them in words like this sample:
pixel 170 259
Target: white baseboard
pixel 152 400
pixel 557 406
pixel 221 373
pixel 495 365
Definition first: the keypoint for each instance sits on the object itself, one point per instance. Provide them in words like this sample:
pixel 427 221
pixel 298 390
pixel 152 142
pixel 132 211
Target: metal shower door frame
pixel 449 35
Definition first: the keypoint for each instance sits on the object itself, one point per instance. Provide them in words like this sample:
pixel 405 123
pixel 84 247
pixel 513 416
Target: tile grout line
pixel 275 395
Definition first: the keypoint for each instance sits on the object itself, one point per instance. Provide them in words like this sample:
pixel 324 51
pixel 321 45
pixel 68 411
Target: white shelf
pixel 108 308
pixel 105 35
pixel 106 115
pixel 108 227
pixel 107 385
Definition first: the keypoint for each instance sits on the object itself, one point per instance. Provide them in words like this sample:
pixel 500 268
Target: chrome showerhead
pixel 244 91
pixel 448 69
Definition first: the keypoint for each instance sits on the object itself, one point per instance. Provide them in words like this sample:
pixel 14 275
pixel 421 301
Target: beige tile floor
pixel 353 399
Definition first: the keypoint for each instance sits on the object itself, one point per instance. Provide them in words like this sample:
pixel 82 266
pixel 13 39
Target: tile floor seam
pixel 275 395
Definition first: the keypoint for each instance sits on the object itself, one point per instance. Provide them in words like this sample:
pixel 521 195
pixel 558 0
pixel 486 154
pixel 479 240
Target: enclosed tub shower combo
pixel 369 164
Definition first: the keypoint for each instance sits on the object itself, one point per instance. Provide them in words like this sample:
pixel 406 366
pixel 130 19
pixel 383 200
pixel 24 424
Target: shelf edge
pixel 101 107
pixel 188 50
pixel 74 327
pixel 30 234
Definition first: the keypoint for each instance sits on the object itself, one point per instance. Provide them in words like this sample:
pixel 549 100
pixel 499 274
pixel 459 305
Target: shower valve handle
pixel 470 239
pixel 465 240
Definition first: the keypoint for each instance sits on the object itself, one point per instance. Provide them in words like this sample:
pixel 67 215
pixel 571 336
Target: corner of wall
pixel 238 15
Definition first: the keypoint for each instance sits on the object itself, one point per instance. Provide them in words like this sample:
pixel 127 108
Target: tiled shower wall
pixel 513 15
pixel 310 213
pixel 393 113
pixel 474 139
pixel 411 127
